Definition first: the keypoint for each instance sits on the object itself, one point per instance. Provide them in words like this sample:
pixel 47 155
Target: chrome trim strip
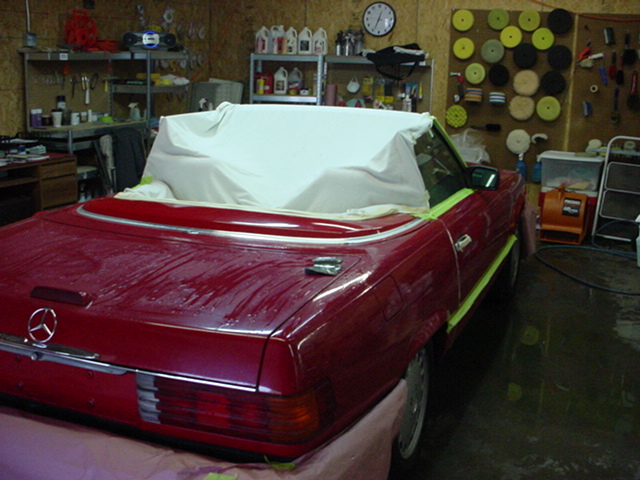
pixel 89 361
pixel 57 354
pixel 255 236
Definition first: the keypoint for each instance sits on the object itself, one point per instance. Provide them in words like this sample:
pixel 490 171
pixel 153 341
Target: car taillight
pixel 261 417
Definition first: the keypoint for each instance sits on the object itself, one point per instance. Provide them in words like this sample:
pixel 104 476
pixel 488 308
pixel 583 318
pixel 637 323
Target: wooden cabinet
pixel 44 184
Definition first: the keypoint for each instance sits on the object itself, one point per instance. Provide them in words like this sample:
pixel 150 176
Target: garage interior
pixel 544 386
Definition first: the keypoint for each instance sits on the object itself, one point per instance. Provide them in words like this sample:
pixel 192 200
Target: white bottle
pixel 320 44
pixel 291 41
pixel 276 39
pixel 262 40
pixel 304 41
pixel 281 81
pixel 295 80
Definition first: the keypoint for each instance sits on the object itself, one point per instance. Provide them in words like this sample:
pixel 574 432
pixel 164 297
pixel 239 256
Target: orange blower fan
pixel 563 218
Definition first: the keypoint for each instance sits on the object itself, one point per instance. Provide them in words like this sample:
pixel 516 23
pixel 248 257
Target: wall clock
pixel 379 18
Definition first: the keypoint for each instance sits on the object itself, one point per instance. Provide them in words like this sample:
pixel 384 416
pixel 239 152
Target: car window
pixel 441 170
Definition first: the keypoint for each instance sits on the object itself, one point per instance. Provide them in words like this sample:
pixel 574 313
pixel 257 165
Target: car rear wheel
pixel 406 448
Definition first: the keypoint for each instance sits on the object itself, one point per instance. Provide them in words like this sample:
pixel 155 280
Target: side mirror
pixel 483 178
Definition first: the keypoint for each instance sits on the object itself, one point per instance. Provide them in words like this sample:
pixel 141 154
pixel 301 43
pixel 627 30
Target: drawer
pixel 58 169
pixel 59 191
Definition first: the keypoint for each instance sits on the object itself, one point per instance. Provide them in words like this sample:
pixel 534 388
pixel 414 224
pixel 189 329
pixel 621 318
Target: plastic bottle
pixel 36 117
pixel 281 81
pixel 304 41
pixel 291 41
pixel 295 81
pixel 276 39
pixel 262 40
pixel 521 167
pixel 536 171
pixel 320 45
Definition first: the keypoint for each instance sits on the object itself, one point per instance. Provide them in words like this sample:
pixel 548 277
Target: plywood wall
pixel 229 28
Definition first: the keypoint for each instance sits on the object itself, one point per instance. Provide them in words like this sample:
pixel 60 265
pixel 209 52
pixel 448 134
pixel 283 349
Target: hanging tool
pixel 584 53
pixel 633 102
pixel 65 72
pixel 460 79
pixel 613 69
pixel 620 74
pixel 629 55
pixel 615 115
pixel 74 80
pixel 84 83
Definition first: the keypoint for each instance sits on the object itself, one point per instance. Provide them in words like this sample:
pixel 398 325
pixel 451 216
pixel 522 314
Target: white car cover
pixel 326 160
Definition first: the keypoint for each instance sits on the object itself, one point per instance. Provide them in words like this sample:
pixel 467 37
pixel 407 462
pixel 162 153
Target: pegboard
pixel 589 86
pixel 571 130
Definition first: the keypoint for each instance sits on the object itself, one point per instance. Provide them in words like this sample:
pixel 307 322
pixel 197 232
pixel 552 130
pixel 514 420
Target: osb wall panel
pixel 230 28
pixel 191 23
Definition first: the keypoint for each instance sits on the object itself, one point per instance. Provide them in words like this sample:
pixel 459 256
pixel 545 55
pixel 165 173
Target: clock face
pixel 379 19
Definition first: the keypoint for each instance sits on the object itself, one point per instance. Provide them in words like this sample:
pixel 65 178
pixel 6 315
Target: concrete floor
pixel 547 386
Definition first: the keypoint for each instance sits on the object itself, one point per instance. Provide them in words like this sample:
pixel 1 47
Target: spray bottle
pixel 521 167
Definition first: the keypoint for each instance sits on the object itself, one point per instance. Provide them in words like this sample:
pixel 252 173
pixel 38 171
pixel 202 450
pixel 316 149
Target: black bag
pixel 389 61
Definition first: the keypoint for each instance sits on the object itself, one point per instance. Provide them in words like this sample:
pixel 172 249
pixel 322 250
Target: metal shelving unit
pixel 324 63
pixel 78 137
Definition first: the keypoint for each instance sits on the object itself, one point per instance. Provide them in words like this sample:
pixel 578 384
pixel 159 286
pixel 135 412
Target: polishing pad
pixel 492 51
pixel 548 108
pixel 462 20
pixel 456 116
pixel 463 48
pixel 559 57
pixel 525 55
pixel 511 36
pixel 498 18
pixel 542 38
pixel 560 21
pixel 474 73
pixel 521 108
pixel 529 20
pixel 518 141
pixel 553 82
pixel 526 83
pixel 499 75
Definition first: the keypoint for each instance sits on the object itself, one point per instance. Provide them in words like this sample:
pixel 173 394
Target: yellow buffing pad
pixel 498 18
pixel 462 20
pixel 511 36
pixel 521 108
pixel 548 108
pixel 456 116
pixel 542 38
pixel 526 83
pixel 474 73
pixel 463 48
pixel 529 20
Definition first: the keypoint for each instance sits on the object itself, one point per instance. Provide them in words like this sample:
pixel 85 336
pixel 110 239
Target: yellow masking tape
pixel 481 285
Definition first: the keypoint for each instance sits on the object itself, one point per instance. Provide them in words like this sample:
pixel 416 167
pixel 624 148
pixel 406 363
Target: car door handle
pixel 463 242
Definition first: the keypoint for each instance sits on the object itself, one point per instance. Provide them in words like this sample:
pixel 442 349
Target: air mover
pixel 563 218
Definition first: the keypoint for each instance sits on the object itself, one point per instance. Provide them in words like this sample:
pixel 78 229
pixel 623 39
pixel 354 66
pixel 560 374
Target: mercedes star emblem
pixel 42 325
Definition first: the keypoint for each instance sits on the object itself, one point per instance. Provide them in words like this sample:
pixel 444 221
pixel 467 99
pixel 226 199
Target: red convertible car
pixel 277 272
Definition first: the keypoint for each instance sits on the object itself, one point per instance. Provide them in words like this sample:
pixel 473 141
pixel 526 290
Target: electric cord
pixel 595 248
